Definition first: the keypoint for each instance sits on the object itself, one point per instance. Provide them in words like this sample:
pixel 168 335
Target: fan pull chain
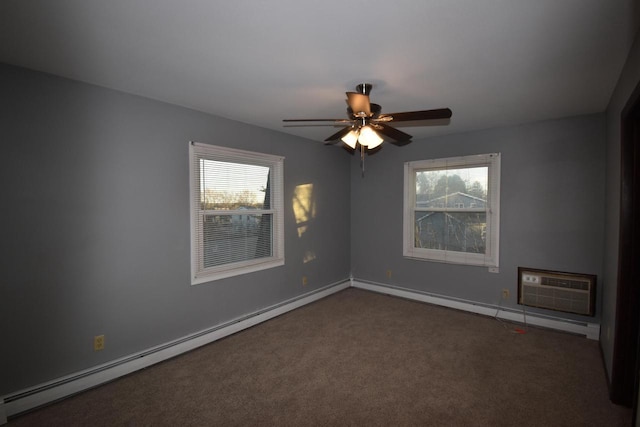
pixel 362 159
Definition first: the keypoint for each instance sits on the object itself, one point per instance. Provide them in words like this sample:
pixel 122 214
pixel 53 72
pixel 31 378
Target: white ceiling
pixel 493 62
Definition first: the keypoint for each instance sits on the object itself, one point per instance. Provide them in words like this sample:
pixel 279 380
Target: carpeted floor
pixel 362 359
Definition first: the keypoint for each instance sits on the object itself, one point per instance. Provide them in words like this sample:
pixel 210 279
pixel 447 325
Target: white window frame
pixel 491 257
pixel 200 274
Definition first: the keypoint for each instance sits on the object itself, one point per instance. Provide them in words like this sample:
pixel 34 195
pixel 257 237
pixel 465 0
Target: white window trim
pixel 491 257
pixel 276 163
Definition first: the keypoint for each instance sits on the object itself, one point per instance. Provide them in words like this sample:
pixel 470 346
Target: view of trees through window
pixel 431 184
pixel 450 211
pixel 227 200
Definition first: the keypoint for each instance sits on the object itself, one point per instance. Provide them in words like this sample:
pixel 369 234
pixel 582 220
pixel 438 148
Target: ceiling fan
pixel 367 126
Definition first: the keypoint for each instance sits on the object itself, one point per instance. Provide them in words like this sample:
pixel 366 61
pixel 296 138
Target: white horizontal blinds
pixel 235 207
pixel 236 213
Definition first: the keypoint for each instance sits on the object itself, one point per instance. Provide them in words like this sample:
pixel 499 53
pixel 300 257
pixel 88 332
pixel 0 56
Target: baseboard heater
pixel 42 394
pixel 556 290
pixel 587 329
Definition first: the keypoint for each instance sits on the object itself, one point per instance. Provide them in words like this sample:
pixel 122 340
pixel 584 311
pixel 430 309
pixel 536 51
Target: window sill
pixel 230 271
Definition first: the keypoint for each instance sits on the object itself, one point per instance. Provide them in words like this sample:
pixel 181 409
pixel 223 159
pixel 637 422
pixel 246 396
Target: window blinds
pixel 236 204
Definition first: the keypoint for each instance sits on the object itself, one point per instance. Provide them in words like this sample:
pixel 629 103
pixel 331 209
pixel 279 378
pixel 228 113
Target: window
pixel 236 212
pixel 451 210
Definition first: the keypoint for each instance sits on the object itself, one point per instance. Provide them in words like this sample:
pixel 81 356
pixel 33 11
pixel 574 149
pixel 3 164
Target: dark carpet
pixel 362 359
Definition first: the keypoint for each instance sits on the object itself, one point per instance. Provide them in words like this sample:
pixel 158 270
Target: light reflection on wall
pixel 304 210
pixel 309 256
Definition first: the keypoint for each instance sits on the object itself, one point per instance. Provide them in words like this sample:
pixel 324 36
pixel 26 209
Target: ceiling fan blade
pixel 318 120
pixel 359 103
pixel 440 113
pixel 375 109
pixel 393 133
pixel 342 132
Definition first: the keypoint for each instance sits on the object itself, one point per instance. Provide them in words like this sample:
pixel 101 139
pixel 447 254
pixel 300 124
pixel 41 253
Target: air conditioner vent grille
pixel 565 283
pixel 568 292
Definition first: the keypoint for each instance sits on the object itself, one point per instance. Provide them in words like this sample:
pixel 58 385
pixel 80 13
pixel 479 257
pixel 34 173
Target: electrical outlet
pixel 505 294
pixel 98 343
pixel 388 274
pixel 304 281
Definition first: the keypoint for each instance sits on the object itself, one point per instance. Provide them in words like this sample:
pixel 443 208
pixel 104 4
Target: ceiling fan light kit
pixel 364 135
pixel 351 138
pixel 368 127
pixel 369 138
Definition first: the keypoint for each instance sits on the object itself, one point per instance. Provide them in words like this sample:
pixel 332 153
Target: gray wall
pixel 627 82
pixel 95 219
pixel 95 225
pixel 551 213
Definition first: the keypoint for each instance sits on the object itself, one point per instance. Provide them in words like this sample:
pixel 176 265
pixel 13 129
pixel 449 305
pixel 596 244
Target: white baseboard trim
pixel 590 330
pixel 43 394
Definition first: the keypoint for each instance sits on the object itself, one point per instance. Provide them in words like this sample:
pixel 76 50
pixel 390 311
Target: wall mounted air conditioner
pixel 555 290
